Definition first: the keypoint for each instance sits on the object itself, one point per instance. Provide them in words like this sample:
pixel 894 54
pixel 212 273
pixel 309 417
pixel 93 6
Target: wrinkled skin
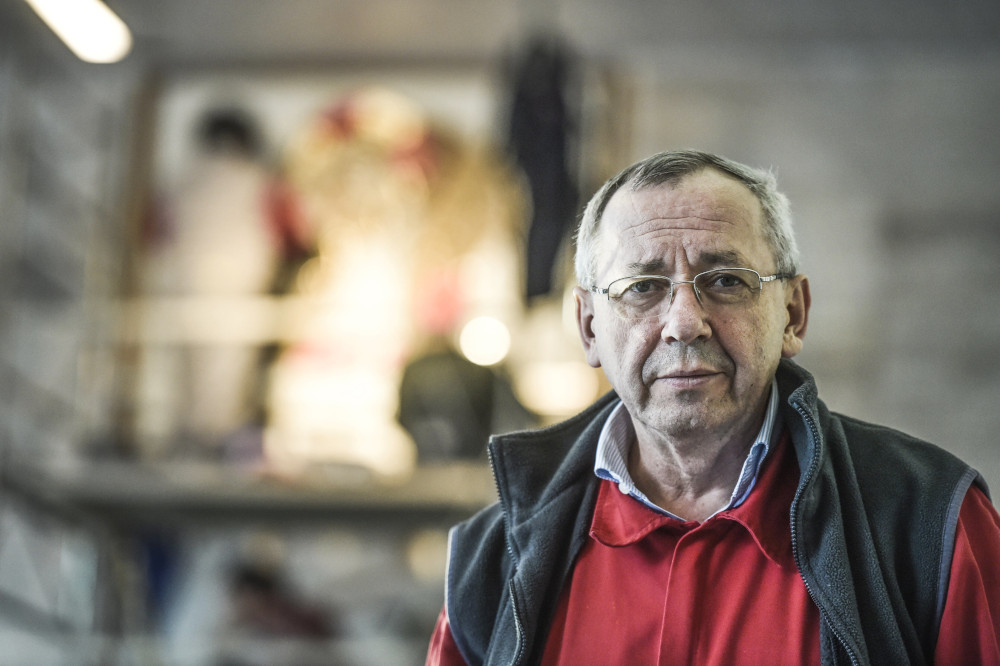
pixel 695 382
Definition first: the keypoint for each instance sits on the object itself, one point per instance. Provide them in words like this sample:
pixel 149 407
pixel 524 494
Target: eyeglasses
pixel 649 296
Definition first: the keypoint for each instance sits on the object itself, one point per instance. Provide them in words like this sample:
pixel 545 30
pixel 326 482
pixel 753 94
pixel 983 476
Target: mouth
pixel 685 374
pixel 687 366
pixel 688 378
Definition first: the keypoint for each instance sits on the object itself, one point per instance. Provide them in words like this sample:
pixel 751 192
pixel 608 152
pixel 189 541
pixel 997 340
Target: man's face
pixel 691 371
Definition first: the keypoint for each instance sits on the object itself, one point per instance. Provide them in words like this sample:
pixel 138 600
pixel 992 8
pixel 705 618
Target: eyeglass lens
pixel 646 296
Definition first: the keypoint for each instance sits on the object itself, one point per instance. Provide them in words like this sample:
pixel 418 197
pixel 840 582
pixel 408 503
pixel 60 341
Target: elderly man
pixel 711 510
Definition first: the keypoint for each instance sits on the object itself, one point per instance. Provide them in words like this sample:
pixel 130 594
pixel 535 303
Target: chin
pixel 676 422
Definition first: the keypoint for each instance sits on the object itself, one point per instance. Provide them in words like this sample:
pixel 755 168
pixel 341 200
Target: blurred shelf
pixel 185 494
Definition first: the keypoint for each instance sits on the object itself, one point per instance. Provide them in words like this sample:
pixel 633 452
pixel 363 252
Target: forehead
pixel 706 219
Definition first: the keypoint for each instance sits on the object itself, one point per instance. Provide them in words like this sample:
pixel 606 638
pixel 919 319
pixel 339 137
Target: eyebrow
pixel 709 260
pixel 722 258
pixel 655 267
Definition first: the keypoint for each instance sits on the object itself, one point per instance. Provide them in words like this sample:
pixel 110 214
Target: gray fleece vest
pixel 873 526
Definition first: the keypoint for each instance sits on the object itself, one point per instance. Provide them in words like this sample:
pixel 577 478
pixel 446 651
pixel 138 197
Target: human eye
pixel 642 286
pixel 639 289
pixel 730 283
pixel 727 280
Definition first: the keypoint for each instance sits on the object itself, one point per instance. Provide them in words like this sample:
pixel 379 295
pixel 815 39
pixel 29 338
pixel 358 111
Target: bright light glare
pixel 557 388
pixel 88 27
pixel 485 341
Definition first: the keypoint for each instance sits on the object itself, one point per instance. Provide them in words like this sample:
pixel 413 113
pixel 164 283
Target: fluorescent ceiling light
pixel 88 27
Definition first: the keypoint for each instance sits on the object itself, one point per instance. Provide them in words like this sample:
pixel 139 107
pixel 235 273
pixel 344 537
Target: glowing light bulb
pixel 485 341
pixel 89 28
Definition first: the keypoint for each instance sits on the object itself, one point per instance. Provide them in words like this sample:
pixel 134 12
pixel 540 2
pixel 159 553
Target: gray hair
pixel 669 168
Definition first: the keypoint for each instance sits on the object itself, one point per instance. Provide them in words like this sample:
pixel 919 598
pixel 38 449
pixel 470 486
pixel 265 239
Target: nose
pixel 685 320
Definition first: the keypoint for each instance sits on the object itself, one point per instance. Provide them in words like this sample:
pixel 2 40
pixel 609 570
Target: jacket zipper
pixel 518 627
pixel 814 461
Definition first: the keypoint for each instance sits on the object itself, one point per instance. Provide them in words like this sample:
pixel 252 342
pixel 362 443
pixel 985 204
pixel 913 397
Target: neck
pixel 691 477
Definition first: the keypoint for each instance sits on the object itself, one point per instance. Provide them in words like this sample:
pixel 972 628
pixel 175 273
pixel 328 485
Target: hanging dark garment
pixel 542 127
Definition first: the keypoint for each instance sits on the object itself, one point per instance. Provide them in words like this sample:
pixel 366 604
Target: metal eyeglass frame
pixel 764 279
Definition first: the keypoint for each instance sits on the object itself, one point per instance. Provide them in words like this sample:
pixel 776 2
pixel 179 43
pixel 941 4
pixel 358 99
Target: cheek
pixel 625 347
pixel 755 343
pixel 608 340
pixel 637 341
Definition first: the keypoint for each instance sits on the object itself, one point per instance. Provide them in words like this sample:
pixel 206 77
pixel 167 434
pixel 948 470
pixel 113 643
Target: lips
pixel 688 374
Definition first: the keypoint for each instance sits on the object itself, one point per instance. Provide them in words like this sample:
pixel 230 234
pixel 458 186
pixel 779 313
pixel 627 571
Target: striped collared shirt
pixel 618 435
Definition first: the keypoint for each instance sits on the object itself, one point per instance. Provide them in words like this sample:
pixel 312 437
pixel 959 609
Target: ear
pixel 585 322
pixel 797 302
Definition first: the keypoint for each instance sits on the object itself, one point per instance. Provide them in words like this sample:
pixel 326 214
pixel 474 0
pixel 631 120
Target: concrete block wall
pixel 891 161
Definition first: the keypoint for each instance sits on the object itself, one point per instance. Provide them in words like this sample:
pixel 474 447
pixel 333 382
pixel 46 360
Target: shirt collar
pixel 617 437
pixel 765 514
pixel 621 521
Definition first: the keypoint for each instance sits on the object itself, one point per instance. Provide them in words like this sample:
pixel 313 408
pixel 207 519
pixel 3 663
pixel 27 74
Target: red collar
pixel 621 520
